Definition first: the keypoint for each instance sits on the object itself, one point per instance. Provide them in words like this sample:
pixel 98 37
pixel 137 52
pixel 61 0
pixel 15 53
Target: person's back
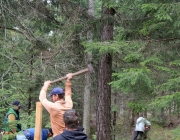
pixel 140 123
pixel 71 135
pixel 72 132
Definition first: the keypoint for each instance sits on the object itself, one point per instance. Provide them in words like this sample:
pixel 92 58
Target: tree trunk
pixel 104 99
pixel 114 117
pixel 104 89
pixel 88 59
pixel 86 109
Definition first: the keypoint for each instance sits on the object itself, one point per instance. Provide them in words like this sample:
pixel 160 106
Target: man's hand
pixel 147 128
pixel 47 84
pixel 69 76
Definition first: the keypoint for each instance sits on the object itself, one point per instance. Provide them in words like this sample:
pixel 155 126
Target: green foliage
pixel 151 61
pixel 175 63
pixel 102 47
pixel 42 40
pixel 94 137
pixel 175 133
pixel 114 47
pixel 137 106
pixel 162 17
pixel 134 57
pixel 9 137
pixel 129 80
pixel 171 85
pixel 164 101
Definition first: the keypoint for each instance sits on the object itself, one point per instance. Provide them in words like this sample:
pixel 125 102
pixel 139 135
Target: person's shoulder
pixel 58 137
pixel 80 128
pixel 140 118
pixel 11 110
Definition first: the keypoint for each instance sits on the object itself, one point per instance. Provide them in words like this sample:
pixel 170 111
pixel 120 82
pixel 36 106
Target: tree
pixel 104 77
pixel 87 85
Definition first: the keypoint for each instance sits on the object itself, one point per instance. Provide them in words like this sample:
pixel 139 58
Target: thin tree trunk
pixel 86 109
pixel 88 59
pixel 30 89
pixel 114 117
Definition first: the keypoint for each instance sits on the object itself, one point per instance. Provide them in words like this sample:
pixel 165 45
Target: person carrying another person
pixel 11 119
pixel 28 134
pixel 61 102
pixel 73 131
pixel 142 124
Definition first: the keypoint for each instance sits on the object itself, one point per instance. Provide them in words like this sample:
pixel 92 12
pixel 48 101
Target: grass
pixel 156 133
pixel 159 133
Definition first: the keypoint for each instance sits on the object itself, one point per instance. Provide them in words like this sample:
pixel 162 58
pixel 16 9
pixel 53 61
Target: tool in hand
pixel 88 69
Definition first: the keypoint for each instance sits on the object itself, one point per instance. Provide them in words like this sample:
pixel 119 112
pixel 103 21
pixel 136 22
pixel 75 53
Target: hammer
pixel 88 69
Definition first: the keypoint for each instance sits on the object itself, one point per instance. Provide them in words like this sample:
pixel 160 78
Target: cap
pixel 17 103
pixel 56 90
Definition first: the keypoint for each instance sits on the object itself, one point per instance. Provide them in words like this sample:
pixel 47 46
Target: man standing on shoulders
pixel 141 125
pixel 72 131
pixel 61 102
pixel 11 119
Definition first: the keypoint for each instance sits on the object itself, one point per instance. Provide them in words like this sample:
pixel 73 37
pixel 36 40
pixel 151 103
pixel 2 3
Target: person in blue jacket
pixel 28 134
pixel 72 131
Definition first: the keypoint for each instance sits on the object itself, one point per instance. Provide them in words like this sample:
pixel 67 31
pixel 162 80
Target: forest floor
pixel 159 133
pixel 169 131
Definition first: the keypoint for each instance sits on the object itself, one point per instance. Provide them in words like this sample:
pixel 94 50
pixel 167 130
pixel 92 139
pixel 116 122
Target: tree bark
pixel 88 59
pixel 104 77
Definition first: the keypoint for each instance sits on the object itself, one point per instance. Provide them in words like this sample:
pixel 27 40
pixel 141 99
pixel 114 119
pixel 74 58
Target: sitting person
pixel 28 134
pixel 73 131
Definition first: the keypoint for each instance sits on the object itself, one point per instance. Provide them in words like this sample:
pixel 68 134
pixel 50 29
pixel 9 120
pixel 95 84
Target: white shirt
pixel 140 124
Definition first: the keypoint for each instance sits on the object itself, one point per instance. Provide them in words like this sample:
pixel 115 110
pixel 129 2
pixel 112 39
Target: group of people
pixel 63 119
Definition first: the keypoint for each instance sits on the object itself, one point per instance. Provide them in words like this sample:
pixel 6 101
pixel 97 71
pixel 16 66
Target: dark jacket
pixel 71 135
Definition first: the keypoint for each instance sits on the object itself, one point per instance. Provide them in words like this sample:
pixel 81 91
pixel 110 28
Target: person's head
pixel 16 105
pixel 71 119
pixel 50 133
pixel 57 94
pixel 141 115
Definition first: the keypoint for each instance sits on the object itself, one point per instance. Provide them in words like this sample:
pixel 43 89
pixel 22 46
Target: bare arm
pixel 42 96
pixel 68 91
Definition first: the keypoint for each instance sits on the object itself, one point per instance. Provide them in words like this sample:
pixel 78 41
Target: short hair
pixel 71 119
pixel 141 115
pixel 61 96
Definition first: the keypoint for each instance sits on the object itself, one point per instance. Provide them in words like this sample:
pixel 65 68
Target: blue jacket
pixel 29 133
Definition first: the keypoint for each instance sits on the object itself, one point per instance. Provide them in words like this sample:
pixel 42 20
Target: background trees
pixel 135 55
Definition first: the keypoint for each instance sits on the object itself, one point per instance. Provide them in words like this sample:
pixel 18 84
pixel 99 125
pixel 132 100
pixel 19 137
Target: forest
pixel 132 45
